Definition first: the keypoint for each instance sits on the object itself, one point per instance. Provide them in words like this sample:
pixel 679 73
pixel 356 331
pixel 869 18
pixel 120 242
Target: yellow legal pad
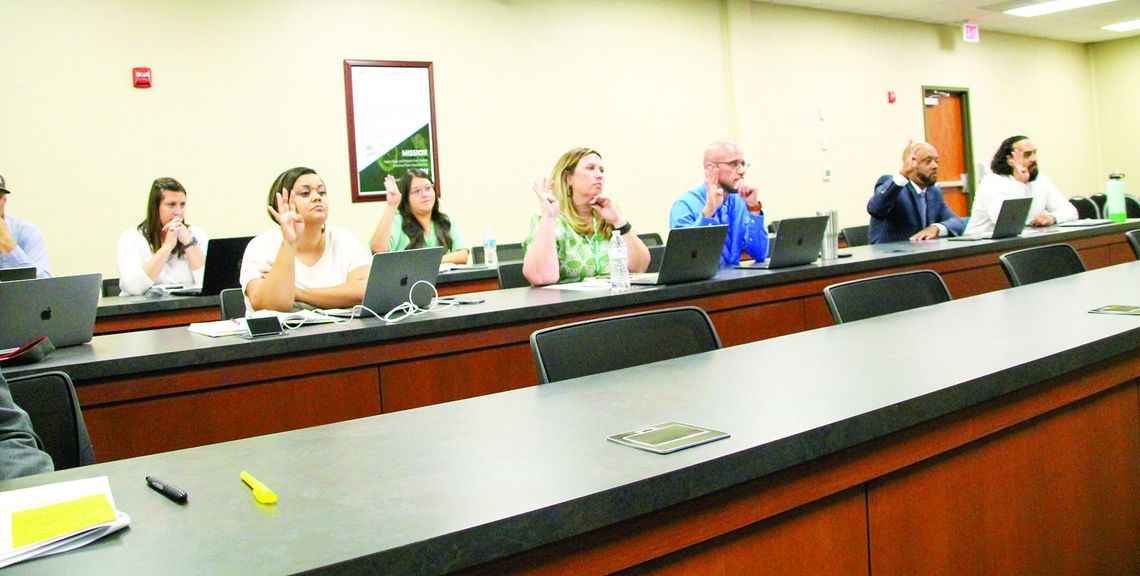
pixel 47 522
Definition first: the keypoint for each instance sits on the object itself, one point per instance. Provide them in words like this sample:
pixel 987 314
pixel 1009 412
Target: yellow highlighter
pixel 261 492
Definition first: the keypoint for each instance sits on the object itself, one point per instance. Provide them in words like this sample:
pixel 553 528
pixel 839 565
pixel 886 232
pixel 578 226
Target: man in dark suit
pixel 907 205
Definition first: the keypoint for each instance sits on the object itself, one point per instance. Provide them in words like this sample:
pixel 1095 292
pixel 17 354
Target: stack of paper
pixel 56 518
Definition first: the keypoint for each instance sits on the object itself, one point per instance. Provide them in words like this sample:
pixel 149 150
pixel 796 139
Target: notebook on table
pixel 1010 221
pixel 797 243
pixel 223 267
pixel 393 278
pixel 61 308
pixel 691 254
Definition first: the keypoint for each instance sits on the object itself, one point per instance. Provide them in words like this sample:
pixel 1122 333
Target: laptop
pixel 223 267
pixel 691 254
pixel 392 277
pixel 61 308
pixel 797 243
pixel 1010 221
pixel 10 274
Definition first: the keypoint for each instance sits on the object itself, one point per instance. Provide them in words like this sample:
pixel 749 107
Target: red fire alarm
pixel 141 77
pixel 891 97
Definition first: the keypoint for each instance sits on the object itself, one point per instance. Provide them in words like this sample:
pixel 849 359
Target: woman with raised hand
pixel 163 248
pixel 303 263
pixel 412 219
pixel 569 238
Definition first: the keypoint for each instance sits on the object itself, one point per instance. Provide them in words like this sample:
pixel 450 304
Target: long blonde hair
pixel 565 195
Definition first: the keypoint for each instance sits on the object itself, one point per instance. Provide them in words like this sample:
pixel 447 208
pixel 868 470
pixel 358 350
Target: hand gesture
pixel 392 192
pixel 1020 172
pixel 173 231
pixel 714 197
pixel 603 206
pixel 547 203
pixel 748 194
pixel 1043 219
pixel 929 233
pixel 292 225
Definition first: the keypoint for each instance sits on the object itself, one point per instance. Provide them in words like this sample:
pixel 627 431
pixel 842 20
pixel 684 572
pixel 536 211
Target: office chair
pixel 233 303
pixel 505 252
pixel 605 344
pixel 651 239
pixel 857 235
pixel 774 227
pixel 655 255
pixel 879 295
pixel 1133 237
pixel 111 287
pixel 1041 263
pixel 511 275
pixel 50 401
pixel 1131 206
pixel 1100 200
pixel 1086 208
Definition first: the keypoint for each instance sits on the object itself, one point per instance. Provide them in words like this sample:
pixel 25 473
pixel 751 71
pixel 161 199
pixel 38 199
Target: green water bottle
pixel 1114 208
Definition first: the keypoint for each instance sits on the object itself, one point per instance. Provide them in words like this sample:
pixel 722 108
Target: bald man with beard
pixel 725 198
pixel 908 205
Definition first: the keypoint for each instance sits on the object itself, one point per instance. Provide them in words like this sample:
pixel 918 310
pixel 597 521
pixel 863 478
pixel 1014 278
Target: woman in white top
pixel 303 263
pixel 163 248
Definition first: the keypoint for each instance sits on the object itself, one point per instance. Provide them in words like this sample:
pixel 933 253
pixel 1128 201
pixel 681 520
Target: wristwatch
pixel 625 229
pixel 192 243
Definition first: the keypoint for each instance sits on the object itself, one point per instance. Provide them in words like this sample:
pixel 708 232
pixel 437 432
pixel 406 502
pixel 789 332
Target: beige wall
pixel 245 89
pixel 1116 95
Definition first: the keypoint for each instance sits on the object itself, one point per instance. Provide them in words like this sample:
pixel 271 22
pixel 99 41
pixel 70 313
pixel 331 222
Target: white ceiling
pixel 1082 25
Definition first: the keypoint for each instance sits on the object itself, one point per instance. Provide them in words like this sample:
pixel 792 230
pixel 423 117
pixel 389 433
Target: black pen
pixel 174 494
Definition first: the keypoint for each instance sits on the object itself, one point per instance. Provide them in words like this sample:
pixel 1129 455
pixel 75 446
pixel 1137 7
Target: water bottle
pixel 490 249
pixel 619 264
pixel 1114 209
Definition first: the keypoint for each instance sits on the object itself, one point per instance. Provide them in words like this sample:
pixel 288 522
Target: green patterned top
pixel 579 257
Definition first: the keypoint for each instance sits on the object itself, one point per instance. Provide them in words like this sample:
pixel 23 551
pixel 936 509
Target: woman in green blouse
pixel 412 219
pixel 569 238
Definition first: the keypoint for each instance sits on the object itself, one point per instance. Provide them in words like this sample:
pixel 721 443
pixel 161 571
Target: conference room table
pixel 156 390
pixel 857 448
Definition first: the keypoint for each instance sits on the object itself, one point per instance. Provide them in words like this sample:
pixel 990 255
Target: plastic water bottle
pixel 1114 209
pixel 619 264
pixel 490 249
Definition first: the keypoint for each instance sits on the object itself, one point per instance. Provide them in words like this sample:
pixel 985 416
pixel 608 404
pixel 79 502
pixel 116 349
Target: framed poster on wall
pixel 391 123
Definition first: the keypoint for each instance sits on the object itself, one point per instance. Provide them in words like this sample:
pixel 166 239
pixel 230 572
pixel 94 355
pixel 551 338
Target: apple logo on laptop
pixel 404 281
pixel 693 255
pixel 46 314
pixel 800 241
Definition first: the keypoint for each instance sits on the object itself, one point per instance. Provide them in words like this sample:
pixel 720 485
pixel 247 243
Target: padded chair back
pixel 1131 206
pixel 111 287
pixel 656 253
pixel 1041 263
pixel 857 235
pixel 1100 200
pixel 1085 208
pixel 879 295
pixel 605 344
pixel 774 227
pixel 1133 237
pixel 505 252
pixel 651 239
pixel 233 303
pixel 511 275
pixel 51 404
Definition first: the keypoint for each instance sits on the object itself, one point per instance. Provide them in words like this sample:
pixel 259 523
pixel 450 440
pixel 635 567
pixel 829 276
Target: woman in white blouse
pixel 163 249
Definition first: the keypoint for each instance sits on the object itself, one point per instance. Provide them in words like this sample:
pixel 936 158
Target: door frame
pixel 967 135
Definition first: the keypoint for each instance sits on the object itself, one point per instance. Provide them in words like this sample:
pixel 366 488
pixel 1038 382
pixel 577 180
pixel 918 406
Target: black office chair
pixel 505 252
pixel 233 303
pixel 50 401
pixel 857 235
pixel 111 287
pixel 1133 237
pixel 605 344
pixel 511 275
pixel 655 255
pixel 1041 263
pixel 1131 206
pixel 774 227
pixel 1100 200
pixel 879 295
pixel 1086 208
pixel 651 239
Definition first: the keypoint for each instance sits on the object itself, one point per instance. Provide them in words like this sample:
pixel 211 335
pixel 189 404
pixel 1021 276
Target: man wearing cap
pixel 21 243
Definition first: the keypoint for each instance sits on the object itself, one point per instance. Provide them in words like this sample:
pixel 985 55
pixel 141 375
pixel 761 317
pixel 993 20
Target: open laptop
pixel 61 308
pixel 691 254
pixel 392 277
pixel 797 242
pixel 10 274
pixel 1010 221
pixel 223 267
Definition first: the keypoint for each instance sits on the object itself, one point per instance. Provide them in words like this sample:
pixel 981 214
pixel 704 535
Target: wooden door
pixel 946 128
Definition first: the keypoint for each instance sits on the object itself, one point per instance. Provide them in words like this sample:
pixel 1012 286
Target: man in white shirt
pixel 1014 175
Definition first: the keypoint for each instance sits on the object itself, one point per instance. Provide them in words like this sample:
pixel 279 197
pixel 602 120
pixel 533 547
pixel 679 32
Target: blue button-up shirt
pixel 745 230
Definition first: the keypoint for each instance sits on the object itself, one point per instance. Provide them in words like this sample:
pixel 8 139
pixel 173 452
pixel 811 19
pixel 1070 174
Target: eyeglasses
pixel 423 190
pixel 736 164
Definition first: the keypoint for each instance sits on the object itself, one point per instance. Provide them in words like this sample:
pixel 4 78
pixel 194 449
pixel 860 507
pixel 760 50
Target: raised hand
pixel 392 192
pixel 1020 172
pixel 910 159
pixel 714 198
pixel 547 203
pixel 748 193
pixel 292 225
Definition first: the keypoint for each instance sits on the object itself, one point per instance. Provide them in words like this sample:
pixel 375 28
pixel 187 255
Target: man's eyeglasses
pixel 736 164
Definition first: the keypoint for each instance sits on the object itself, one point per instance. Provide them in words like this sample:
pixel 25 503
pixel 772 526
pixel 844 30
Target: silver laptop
pixel 691 254
pixel 398 277
pixel 61 308
pixel 1010 221
pixel 796 243
pixel 223 267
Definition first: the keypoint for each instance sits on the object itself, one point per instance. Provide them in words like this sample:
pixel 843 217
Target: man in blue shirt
pixel 21 243
pixel 725 198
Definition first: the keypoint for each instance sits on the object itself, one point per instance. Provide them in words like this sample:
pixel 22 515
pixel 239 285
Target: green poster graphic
pixel 414 152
